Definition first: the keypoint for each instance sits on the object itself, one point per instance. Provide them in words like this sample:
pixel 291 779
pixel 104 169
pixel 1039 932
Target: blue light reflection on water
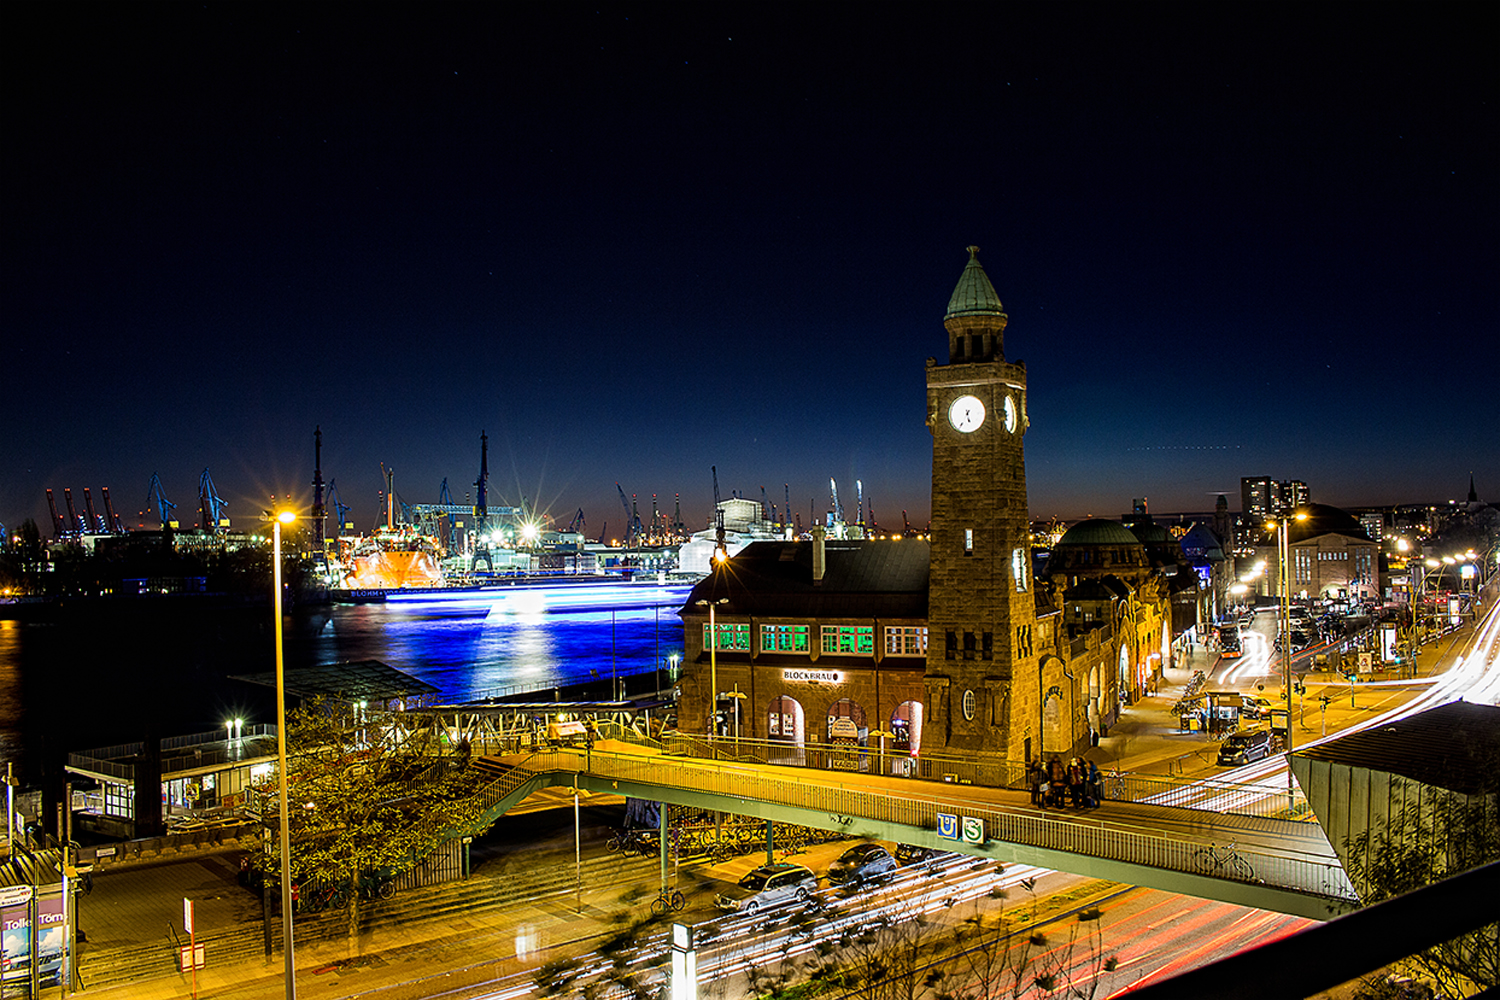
pixel 470 646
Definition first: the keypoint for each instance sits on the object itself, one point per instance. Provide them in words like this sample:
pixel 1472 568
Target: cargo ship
pixel 393 558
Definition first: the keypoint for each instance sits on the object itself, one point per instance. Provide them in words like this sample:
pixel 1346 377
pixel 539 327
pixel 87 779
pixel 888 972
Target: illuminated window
pixel 968 541
pixel 1018 568
pixel 731 636
pixel 906 640
pixel 849 639
pixel 783 638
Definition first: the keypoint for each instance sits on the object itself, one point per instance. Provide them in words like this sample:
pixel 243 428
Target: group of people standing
pixel 1058 784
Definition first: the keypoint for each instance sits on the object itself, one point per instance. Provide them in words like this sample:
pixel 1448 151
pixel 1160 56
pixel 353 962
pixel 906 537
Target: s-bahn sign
pixel 969 829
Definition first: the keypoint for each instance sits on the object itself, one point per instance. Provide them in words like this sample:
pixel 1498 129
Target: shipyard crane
pixel 164 507
pixel 874 524
pixel 210 504
pixel 765 506
pixel 577 525
pixel 319 513
pixel 340 509
pixel 629 524
pixel 109 512
pixel 859 509
pixel 57 521
pixel 72 512
pixel 93 518
pixel 786 510
pixel 721 550
pixel 838 508
pixel 635 519
pixel 906 531
pixel 678 529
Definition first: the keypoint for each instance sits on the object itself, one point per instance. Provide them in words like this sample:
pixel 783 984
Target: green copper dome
pixel 974 296
pixel 1098 531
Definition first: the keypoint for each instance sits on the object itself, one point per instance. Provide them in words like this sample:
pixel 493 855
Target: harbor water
pixel 104 674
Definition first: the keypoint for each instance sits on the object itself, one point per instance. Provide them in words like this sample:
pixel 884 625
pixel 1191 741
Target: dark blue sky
pixel 632 243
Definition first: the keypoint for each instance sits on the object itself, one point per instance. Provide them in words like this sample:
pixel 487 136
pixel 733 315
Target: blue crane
pixel 210 504
pixel 340 509
pixel 164 507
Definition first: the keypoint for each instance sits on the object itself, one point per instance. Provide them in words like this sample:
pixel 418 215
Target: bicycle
pixel 1210 860
pixel 668 899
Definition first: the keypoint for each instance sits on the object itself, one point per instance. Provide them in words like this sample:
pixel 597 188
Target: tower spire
pixel 975 319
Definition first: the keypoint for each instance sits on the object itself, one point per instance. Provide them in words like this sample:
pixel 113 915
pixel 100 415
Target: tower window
pixel 987 646
pixel 950 645
pixel 968 541
pixel 970 645
pixel 1018 568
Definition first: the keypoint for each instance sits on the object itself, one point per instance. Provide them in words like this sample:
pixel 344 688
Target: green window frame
pixel 851 640
pixel 783 639
pixel 732 636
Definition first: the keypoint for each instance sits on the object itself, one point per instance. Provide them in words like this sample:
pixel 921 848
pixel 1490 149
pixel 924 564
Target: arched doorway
pixel 906 728
pixel 1125 688
pixel 785 721
pixel 1096 703
pixel 846 723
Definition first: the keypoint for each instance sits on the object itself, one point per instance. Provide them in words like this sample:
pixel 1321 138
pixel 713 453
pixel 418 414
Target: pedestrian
pixel 1096 791
pixel 1034 781
pixel 1075 783
pixel 1057 777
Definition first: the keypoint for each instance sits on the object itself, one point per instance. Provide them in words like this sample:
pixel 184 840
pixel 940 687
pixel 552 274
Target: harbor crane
pixel 319 513
pixel 786 510
pixel 340 509
pixel 164 507
pixel 210 504
pixel 577 525
pixel 859 509
pixel 57 521
pixel 72 512
pixel 93 523
pixel 631 521
pixel 113 520
pixel 765 506
pixel 721 550
pixel 838 508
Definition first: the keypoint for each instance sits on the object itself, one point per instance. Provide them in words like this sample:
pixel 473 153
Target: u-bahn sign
pixel 969 829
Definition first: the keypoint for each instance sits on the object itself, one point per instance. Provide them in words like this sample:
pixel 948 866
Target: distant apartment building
pixel 1262 498
pixel 1374 524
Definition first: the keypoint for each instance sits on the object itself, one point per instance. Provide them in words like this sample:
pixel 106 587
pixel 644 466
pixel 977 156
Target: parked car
pixel 768 886
pixel 1242 748
pixel 1253 706
pixel 860 864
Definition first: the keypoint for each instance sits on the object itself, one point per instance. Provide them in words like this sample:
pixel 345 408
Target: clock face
pixel 1010 415
pixel 966 414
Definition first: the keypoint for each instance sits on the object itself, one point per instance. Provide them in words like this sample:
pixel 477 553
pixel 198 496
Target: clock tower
pixel 981 669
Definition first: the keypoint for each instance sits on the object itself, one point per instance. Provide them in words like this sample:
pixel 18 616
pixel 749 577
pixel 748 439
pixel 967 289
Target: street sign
pixel 947 826
pixel 187 914
pixel 190 957
pixel 973 830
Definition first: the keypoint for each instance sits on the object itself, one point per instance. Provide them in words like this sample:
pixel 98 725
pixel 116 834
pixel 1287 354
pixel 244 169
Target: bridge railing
pixel 1239 798
pixel 1054 831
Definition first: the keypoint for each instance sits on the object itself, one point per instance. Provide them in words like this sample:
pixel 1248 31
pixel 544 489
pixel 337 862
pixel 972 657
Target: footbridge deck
pixel 1292 867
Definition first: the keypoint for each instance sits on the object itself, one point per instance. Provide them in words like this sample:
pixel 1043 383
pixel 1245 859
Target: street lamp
pixel 713 663
pixel 1283 554
pixel 277 520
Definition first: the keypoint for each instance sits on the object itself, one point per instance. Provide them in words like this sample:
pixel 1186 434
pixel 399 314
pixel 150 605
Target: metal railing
pixel 1051 831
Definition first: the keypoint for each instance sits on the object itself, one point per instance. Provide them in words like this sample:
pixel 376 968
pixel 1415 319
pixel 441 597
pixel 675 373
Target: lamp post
pixel 284 517
pixel 713 664
pixel 1283 555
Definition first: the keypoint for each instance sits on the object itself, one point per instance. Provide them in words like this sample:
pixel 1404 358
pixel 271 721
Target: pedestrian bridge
pixel 1292 867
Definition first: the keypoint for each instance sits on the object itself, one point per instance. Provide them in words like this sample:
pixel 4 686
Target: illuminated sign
pixel 811 676
pixel 1388 644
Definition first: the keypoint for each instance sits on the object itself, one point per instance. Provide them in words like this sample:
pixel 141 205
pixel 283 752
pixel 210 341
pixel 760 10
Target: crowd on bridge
pixel 1076 783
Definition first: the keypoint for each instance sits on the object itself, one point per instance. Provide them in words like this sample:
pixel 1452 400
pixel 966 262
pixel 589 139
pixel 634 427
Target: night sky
pixel 635 242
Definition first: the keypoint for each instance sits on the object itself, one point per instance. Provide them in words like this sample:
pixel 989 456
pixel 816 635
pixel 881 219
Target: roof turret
pixel 975 319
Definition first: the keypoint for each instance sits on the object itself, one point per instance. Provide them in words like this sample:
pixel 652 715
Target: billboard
pixel 15 943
